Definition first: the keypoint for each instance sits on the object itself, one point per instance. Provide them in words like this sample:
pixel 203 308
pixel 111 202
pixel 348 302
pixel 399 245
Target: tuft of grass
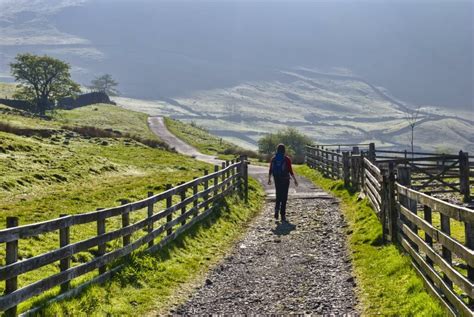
pixel 153 283
pixel 387 283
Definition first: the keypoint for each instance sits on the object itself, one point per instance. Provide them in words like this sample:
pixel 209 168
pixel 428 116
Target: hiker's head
pixel 281 148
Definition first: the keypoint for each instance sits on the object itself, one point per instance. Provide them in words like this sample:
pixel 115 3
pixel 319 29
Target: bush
pixel 237 151
pixel 294 141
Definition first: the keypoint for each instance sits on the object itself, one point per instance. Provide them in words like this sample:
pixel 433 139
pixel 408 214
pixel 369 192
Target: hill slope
pixel 330 108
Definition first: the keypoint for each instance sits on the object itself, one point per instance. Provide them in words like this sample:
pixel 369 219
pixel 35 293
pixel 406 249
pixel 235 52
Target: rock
pixel 208 282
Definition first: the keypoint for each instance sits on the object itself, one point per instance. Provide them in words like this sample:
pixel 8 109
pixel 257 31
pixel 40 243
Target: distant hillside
pixel 329 108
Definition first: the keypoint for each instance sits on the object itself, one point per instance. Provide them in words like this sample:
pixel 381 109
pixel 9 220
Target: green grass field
pixel 387 283
pixel 67 173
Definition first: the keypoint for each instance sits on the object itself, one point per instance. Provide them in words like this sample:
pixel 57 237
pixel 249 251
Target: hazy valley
pixel 330 108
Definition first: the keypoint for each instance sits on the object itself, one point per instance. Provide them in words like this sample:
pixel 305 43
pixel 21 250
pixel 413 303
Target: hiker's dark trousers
pixel 281 187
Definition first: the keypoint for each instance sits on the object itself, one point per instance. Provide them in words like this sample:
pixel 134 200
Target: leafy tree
pixel 43 80
pixel 106 84
pixel 294 141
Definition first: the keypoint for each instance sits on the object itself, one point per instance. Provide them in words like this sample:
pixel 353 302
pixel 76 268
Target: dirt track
pixel 299 267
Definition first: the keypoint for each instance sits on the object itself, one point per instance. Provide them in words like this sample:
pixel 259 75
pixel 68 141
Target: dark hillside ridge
pixel 68 103
pixel 83 100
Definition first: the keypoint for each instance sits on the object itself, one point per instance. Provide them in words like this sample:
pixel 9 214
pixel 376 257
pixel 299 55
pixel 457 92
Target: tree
pixel 43 80
pixel 106 84
pixel 412 119
pixel 294 141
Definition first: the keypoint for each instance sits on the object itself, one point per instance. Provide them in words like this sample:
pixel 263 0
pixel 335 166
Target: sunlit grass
pixel 152 283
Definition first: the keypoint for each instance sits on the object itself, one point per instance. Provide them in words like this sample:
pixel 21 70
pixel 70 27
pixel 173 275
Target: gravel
pixel 299 267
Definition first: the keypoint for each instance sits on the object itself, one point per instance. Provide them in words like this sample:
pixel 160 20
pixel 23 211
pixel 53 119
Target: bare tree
pixel 412 116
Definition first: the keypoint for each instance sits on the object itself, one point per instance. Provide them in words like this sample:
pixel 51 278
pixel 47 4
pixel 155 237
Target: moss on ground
pixel 387 283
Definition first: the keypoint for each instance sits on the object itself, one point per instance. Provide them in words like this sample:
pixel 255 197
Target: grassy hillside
pixel 48 170
pixel 204 141
pixel 387 283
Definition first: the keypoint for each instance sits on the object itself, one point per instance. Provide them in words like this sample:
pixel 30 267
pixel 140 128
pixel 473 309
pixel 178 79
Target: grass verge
pixel 387 283
pixel 153 283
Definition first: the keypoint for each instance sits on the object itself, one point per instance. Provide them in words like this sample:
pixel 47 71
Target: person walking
pixel 281 170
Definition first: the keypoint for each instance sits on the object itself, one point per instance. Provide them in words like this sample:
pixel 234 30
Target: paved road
pixel 300 266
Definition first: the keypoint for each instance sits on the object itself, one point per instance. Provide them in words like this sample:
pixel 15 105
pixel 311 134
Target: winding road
pixel 300 267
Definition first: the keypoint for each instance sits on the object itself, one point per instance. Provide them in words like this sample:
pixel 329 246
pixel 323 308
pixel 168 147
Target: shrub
pixel 294 141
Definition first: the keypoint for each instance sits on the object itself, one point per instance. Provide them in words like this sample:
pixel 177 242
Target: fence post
pixel 427 215
pixel 361 171
pixel 469 233
pixel 125 223
pixel 338 163
pixel 169 217
pixel 150 214
pixel 232 173
pixel 391 205
pixel 227 174
pixel 464 175
pixel 385 204
pixel 11 284
pixel 246 179
pixel 64 264
pixel 182 196
pixel 316 158
pixel 195 203
pixel 216 179
pixel 355 167
pixel 346 168
pixel 206 186
pixel 326 163
pixel 445 252
pixel 404 178
pixel 334 165
pixel 371 153
pixel 101 248
pixel 223 176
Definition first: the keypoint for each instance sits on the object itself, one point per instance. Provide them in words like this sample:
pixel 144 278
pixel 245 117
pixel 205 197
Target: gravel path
pixel 299 267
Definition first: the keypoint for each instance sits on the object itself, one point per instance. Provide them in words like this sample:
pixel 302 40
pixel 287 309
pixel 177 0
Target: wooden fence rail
pixel 438 235
pixel 151 232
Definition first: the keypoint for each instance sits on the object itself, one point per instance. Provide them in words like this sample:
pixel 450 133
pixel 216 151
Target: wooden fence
pixel 151 233
pixel 429 172
pixel 433 173
pixel 438 235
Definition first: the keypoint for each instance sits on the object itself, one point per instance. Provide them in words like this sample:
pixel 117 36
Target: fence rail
pixel 438 235
pixel 231 178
